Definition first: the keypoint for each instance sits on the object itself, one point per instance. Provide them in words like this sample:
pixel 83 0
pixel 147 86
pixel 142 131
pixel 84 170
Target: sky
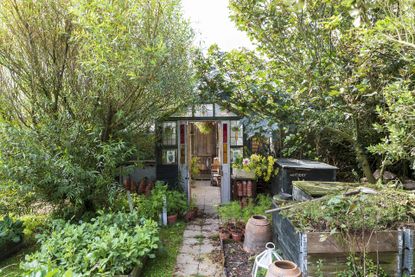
pixel 211 22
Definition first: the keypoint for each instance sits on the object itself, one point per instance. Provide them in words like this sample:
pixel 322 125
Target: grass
pixel 165 261
pixel 10 267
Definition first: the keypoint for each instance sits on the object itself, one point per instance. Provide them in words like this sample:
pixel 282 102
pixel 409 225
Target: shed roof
pixel 294 163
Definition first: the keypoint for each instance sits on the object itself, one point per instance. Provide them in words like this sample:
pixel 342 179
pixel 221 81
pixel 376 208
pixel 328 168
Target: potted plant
pixel 176 205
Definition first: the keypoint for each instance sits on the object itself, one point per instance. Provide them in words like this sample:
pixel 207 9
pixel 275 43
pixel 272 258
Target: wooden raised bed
pixel 308 190
pixel 306 249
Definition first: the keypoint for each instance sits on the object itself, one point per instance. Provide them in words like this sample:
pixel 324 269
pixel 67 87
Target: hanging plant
pixel 235 129
pixel 204 127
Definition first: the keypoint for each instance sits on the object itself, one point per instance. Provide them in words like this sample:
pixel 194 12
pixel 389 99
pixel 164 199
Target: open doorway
pixel 204 161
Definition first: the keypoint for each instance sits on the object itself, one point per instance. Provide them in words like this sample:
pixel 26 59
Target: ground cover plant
pixel 112 243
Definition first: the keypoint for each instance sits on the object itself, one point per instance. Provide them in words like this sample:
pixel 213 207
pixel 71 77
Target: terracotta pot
pixel 171 219
pixel 149 187
pixel 257 233
pixel 244 188
pixel 142 186
pixel 283 268
pixel 134 186
pixel 224 234
pixel 127 183
pixel 190 215
pixel 239 188
pixel 249 188
pixel 236 235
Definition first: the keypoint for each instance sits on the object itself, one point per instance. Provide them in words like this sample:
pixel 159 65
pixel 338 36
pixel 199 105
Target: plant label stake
pixel 164 213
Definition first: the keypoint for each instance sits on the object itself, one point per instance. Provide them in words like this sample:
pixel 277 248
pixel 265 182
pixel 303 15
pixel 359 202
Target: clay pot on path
pixel 257 233
pixel 190 214
pixel 224 234
pixel 236 235
pixel 283 268
pixel 171 219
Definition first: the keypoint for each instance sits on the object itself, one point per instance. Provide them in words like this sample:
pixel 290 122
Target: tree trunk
pixel 359 152
pixel 364 163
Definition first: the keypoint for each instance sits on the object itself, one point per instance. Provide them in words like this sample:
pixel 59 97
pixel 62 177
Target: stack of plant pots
pixel 243 190
pixel 144 187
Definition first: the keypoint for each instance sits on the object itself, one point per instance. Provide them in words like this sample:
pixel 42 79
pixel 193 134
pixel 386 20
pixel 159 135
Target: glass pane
pixel 205 110
pixel 236 133
pixel 169 156
pixel 169 134
pixel 236 153
pixel 188 112
pixel 219 111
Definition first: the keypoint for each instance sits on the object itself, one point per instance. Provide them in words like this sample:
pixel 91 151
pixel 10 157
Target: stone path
pixel 200 254
pixel 207 197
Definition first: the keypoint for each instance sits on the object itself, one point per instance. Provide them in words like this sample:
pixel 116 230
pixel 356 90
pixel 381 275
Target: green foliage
pixel 11 231
pixel 361 267
pixel 176 202
pixel 80 174
pixel 49 272
pixel 398 123
pixel 194 166
pixel 78 96
pixel 233 212
pixel 382 211
pixel 151 206
pixel 327 67
pixel 110 244
pixel 262 166
pixel 15 200
pixel 34 224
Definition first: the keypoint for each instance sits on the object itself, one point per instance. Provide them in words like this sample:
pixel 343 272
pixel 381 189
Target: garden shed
pixel 206 136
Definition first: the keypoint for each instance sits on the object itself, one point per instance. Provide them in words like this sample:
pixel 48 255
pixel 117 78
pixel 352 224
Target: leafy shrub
pixel 34 224
pixel 110 244
pixel 234 212
pixel 10 231
pixel 14 199
pixel 176 202
pixel 151 206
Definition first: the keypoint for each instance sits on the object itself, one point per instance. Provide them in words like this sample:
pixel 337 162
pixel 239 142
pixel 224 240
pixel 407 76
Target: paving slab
pixel 195 258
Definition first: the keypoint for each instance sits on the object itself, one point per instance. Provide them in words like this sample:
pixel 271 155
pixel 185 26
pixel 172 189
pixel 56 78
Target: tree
pixel 324 54
pixel 81 80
